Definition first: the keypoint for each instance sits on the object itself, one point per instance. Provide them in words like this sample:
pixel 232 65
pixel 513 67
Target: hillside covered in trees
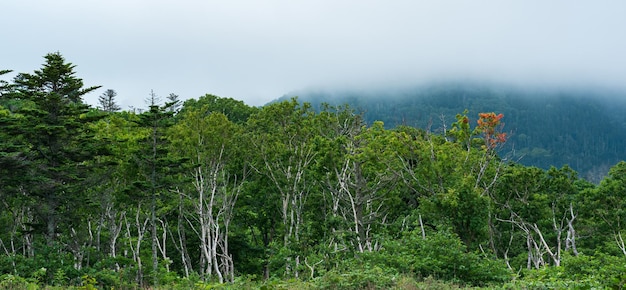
pixel 212 193
pixel 582 128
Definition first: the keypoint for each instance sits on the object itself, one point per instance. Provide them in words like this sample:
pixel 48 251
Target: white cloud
pixel 259 50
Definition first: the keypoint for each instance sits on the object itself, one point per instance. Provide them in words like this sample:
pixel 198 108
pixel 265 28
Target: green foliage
pixel 359 277
pixel 60 278
pixel 551 127
pixel 599 271
pixel 604 210
pixel 39 275
pixel 88 283
pixel 286 197
pixel 236 111
pixel 52 126
pixel 9 281
pixel 441 255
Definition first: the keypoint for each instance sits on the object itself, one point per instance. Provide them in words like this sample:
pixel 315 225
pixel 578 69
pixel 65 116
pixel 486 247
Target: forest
pixel 547 126
pixel 211 193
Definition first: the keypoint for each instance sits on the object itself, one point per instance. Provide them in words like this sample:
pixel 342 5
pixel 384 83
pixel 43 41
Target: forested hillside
pixel 212 193
pixel 582 128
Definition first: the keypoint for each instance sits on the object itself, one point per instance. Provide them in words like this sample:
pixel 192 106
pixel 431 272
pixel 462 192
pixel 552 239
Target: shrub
pixel 441 255
pixel 360 277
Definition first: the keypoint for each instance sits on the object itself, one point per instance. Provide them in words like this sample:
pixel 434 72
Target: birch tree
pixel 282 135
pixel 541 207
pixel 208 140
pixel 360 184
pixel 605 210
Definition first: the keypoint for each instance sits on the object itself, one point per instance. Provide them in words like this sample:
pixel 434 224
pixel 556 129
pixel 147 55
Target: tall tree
pixel 115 173
pixel 360 185
pixel 282 136
pixel 11 152
pixel 107 101
pixel 15 208
pixel 207 140
pixel 54 126
pixel 606 210
pixel 537 213
pixel 4 85
pixel 156 168
pixel 175 103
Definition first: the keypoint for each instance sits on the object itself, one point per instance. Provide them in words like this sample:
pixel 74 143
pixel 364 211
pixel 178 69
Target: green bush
pixel 360 277
pixel 578 272
pixel 9 281
pixel 441 255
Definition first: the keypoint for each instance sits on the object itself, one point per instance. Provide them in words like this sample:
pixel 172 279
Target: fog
pixel 257 51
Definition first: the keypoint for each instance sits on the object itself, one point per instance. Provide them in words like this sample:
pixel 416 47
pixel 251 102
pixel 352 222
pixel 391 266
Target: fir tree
pixel 53 128
pixel 107 101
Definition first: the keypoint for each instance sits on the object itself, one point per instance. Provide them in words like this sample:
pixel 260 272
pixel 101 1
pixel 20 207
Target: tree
pixel 606 211
pixel 208 141
pixel 174 102
pixel 116 174
pixel 236 111
pixel 450 176
pixel 156 169
pixel 282 134
pixel 360 185
pixel 14 168
pixel 107 101
pixel 54 127
pixel 11 148
pixel 539 205
pixel 4 85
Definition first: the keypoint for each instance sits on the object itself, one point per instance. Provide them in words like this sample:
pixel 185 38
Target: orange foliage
pixel 488 124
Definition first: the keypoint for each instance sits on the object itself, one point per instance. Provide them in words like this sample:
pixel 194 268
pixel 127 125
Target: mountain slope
pixel 585 129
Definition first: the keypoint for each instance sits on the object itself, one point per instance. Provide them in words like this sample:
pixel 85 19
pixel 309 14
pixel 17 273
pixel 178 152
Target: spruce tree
pixel 156 168
pixel 107 101
pixel 53 128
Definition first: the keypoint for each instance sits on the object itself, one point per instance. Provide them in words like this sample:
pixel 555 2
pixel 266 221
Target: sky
pixel 257 51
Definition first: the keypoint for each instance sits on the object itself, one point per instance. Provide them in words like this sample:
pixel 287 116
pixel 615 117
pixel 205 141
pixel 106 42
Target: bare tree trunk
pixel 136 247
pixel 422 227
pixel 77 249
pixel 205 223
pixel 620 241
pixel 312 267
pixel 114 231
pixel 570 242
pixel 155 241
pixel 216 198
pixel 214 255
pixel 292 194
pixel 9 254
pixel 555 255
pixel 162 244
pixel 360 202
pixel 182 237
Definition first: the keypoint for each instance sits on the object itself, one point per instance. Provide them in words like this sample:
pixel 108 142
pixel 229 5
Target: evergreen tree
pixel 156 168
pixel 107 101
pixel 174 102
pixel 53 127
pixel 4 85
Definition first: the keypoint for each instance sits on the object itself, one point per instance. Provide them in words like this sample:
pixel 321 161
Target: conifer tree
pixel 156 168
pixel 107 101
pixel 4 85
pixel 53 127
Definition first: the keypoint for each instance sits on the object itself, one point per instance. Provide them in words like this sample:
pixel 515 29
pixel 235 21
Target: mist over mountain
pixel 584 128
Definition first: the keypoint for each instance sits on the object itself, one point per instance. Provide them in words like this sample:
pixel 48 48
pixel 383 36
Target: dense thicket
pixel 215 191
pixel 581 128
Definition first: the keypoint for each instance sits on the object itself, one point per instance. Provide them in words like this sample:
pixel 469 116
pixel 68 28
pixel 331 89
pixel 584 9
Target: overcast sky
pixel 258 50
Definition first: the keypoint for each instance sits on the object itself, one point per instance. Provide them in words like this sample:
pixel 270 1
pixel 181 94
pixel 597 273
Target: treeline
pixel 582 128
pixel 213 191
